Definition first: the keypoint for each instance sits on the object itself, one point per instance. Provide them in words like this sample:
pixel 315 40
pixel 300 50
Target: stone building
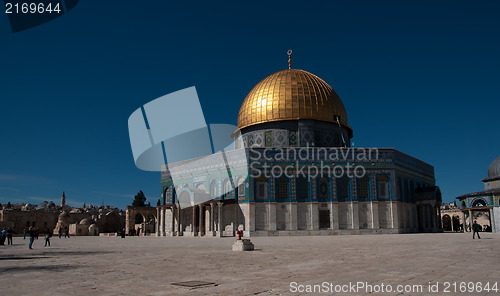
pixel 484 206
pixel 451 217
pixel 293 122
pixel 141 220
pixel 49 216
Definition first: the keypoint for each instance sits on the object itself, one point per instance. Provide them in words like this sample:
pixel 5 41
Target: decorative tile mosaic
pixel 269 138
pixel 250 141
pixel 281 138
pixel 258 139
pixel 293 139
pixel 306 137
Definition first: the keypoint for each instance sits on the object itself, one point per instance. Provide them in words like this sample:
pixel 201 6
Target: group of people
pixel 32 233
pixel 6 235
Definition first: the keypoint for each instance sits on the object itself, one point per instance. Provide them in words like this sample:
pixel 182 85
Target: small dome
pixel 494 169
pixel 63 216
pixel 85 221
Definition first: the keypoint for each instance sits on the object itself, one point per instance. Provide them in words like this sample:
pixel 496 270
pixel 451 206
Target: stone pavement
pixel 149 265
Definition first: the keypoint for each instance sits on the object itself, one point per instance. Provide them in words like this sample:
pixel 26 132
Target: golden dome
pixel 291 94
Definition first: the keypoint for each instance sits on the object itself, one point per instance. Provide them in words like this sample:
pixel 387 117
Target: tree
pixel 139 200
pixel 158 203
pixel 9 205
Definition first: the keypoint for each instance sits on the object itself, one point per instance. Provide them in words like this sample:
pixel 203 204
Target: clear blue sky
pixel 420 76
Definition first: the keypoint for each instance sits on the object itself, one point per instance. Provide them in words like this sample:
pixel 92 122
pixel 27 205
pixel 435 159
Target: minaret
pixel 63 200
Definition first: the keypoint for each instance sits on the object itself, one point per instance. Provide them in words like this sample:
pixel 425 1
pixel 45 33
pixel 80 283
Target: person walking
pixel 476 228
pixel 47 238
pixel 3 236
pixel 32 234
pixel 24 237
pixel 10 232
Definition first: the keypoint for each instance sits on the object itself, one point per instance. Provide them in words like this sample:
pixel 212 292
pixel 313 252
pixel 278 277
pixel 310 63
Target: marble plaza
pixel 149 265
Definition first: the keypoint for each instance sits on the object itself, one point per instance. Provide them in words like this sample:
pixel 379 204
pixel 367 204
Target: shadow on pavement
pixel 37 268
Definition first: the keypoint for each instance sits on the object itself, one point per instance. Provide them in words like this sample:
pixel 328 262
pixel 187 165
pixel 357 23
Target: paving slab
pixel 278 265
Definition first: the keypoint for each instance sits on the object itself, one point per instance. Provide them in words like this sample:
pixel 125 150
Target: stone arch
pixel 184 199
pixel 213 189
pixel 479 202
pixel 201 186
pixel 455 221
pixel 240 187
pixel 139 218
pixel 446 223
pixel 227 189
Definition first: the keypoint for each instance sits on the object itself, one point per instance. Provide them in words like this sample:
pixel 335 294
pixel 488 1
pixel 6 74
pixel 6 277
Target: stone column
pixel 219 218
pixel 334 216
pixel 394 215
pixel 193 221
pixel 292 225
pixel 171 226
pixel 179 224
pixel 249 218
pixel 212 219
pixel 492 221
pixel 201 227
pixel 158 222
pixel 374 212
pixel 236 218
pixel 314 213
pixel 354 215
pixel 162 221
pixel 272 216
pixel 470 220
pixel 464 224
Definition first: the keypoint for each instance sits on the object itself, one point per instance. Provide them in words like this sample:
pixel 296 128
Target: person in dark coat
pixel 32 233
pixel 47 237
pixel 10 232
pixel 476 228
pixel 3 236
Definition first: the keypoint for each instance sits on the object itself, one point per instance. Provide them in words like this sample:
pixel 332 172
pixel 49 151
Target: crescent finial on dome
pixel 289 53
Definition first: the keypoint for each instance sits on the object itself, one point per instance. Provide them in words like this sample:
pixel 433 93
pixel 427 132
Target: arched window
pixel 261 184
pixel 228 190
pixel 383 188
pixel 167 196
pixel 213 189
pixel 282 189
pixel 363 188
pixel 323 189
pixel 343 189
pixel 302 189
pixel 241 187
